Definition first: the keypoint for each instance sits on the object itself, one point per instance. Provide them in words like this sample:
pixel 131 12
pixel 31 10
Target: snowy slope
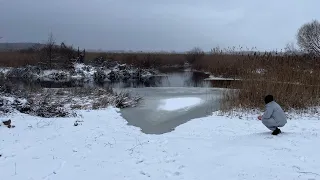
pixel 104 147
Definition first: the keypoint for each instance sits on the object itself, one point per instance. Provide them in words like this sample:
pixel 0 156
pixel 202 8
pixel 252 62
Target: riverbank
pixel 102 145
pixel 78 72
pixel 60 102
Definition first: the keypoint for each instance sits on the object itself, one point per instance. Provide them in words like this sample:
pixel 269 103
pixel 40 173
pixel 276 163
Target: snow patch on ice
pixel 212 77
pixel 174 104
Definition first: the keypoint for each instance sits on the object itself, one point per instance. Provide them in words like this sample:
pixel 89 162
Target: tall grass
pixel 18 59
pixel 49 55
pixel 141 60
pixel 294 81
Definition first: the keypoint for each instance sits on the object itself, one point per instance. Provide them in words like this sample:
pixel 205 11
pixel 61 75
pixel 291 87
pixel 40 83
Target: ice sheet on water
pixel 173 104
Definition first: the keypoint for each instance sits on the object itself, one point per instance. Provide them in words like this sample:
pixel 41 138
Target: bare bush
pixel 52 55
pixel 194 55
pixel 290 49
pixel 61 102
pixel 49 49
pixel 99 76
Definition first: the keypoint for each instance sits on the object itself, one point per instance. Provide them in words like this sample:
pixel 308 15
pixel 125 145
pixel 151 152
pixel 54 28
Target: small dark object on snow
pixel 7 123
pixel 76 124
pixel 0 155
pixel 276 131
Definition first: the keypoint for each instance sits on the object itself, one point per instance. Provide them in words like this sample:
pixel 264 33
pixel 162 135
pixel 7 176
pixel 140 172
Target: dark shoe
pixel 276 131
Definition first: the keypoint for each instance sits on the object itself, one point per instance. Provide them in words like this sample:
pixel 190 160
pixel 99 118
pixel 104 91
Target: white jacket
pixel 275 112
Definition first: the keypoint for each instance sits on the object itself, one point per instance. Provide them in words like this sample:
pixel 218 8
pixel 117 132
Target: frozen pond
pixel 165 108
pixel 169 100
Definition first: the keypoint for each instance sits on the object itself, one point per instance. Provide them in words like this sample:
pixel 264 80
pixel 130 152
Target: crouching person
pixel 274 116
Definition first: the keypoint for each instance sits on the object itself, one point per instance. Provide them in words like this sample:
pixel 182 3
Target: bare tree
pixel 54 55
pixel 194 54
pixel 67 52
pixel 47 51
pixel 290 49
pixel 49 48
pixel 308 37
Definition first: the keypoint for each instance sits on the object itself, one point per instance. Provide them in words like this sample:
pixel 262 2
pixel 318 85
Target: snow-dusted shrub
pixel 29 72
pixel 99 76
pixel 124 99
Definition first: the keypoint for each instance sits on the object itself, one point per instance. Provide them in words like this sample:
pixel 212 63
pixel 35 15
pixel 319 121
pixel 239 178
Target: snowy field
pixel 104 147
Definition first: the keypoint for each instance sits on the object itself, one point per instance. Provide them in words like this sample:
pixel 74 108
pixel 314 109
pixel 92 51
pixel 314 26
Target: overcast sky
pixel 157 24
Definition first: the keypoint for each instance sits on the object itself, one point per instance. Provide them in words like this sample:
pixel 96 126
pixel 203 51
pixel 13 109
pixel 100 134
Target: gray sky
pixel 157 24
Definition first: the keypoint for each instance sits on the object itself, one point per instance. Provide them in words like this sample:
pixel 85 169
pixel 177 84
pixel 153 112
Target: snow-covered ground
pixel 104 147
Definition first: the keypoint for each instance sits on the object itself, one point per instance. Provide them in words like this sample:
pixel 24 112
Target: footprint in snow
pixel 306 174
pixel 170 160
pixel 309 176
pixel 283 149
pixel 140 161
pixel 35 157
pixel 170 174
pixel 27 147
pixel 144 173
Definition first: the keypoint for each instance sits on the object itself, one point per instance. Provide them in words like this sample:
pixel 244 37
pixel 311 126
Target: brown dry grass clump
pixel 49 55
pixel 141 60
pixel 18 59
pixel 224 65
pixel 294 81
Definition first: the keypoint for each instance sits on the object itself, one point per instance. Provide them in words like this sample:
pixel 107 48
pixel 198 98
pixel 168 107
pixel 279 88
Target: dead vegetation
pixel 60 102
pixel 140 60
pixel 294 80
pixel 49 55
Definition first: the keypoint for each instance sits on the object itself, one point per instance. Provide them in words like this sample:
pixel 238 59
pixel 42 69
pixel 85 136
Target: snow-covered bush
pixel 99 76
